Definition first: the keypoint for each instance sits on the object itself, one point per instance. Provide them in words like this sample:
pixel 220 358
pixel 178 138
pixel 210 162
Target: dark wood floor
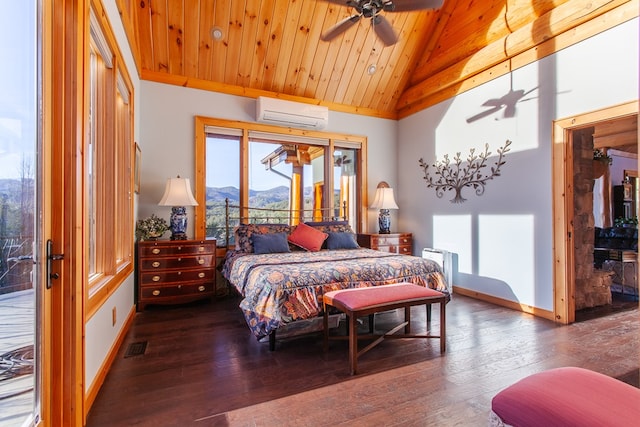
pixel 203 368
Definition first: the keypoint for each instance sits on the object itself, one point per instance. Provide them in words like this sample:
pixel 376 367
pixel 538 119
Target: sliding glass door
pixel 20 288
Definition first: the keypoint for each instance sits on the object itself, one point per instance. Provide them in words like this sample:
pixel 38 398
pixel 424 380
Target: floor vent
pixel 136 349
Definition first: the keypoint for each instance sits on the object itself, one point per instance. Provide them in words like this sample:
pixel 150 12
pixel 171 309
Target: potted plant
pixel 601 162
pixel 151 228
pixel 626 222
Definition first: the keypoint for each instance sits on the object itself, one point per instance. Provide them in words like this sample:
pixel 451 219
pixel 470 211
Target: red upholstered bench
pixel 567 397
pixel 362 302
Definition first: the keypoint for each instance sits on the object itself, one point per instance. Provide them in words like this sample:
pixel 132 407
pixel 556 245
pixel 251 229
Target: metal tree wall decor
pixel 455 176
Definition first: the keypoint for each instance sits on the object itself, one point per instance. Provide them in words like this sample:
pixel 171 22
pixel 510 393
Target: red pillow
pixel 307 237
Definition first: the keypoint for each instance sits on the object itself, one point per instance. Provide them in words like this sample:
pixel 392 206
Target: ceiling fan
pixel 371 9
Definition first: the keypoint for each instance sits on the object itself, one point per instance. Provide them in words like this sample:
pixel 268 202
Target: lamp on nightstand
pixel 384 201
pixel 177 194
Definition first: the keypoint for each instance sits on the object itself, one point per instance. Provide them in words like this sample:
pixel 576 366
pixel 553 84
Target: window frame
pixel 110 128
pixel 247 128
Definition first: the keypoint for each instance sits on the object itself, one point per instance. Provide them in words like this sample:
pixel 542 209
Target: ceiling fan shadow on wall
pixel 507 101
pixel 372 9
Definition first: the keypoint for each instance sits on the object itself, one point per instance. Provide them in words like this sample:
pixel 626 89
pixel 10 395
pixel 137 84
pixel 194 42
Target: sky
pixel 222 173
pixel 17 87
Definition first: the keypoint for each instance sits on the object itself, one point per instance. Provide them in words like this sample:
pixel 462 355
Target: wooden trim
pixel 568 24
pixel 69 33
pixel 130 24
pixel 545 314
pixel 200 149
pixel 562 151
pixel 48 322
pixel 95 386
pixel 194 83
pixel 111 284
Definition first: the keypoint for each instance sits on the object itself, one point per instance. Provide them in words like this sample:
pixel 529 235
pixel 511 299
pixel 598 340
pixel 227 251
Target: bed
pixel 282 271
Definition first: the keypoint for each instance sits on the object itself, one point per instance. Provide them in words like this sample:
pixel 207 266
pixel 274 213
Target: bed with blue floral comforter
pixel 278 289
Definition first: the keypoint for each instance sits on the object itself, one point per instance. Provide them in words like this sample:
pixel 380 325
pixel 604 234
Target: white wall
pixel 503 239
pixel 167 139
pixel 100 333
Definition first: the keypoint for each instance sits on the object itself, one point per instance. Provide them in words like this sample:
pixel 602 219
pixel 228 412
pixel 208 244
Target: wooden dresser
pixel 175 271
pixel 400 243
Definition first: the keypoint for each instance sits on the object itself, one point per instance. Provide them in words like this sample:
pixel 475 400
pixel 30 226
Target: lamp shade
pixel 178 193
pixel 384 199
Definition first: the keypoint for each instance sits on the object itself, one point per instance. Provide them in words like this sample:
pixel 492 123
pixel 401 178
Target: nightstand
pixel 175 271
pixel 400 243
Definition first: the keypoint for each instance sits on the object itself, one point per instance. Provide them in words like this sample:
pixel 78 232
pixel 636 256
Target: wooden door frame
pixel 563 209
pixel 63 106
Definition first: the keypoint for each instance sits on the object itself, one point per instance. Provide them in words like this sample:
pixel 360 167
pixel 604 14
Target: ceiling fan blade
pixel 384 30
pixel 409 5
pixel 340 28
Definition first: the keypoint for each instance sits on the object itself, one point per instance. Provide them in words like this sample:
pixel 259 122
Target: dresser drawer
pixel 382 240
pixel 189 289
pixel 397 243
pixel 150 264
pixel 159 250
pixel 170 276
pixel 396 249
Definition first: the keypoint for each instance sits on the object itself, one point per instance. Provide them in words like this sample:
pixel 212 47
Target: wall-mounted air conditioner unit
pixel 291 114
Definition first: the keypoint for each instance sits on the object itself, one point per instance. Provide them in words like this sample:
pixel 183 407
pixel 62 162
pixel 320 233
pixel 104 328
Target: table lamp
pixel 177 194
pixel 384 201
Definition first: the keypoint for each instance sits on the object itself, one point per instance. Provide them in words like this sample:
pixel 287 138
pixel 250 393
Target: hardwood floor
pixel 202 367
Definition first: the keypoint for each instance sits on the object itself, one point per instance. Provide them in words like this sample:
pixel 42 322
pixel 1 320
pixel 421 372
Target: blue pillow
pixel 342 241
pixel 273 243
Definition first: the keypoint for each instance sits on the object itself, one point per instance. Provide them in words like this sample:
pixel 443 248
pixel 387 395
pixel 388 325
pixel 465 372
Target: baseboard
pixel 538 312
pixel 92 392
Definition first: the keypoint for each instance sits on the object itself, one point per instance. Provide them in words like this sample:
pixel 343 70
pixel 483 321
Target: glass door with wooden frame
pixel 20 285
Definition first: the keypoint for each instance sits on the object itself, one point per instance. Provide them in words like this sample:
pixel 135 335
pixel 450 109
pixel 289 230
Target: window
pixel 297 172
pixel 108 165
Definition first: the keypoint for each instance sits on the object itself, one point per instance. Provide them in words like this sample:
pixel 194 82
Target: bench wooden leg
pixel 428 313
pixel 325 323
pixel 353 342
pixel 272 341
pixel 407 319
pixel 443 342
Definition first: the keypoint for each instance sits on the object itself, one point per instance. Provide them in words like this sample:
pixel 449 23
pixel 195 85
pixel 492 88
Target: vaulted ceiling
pixel 274 47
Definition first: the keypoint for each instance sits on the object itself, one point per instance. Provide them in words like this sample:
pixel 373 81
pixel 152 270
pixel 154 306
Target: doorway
pixel 564 190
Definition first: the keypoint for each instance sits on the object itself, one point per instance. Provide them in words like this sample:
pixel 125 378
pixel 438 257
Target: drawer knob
pixel 201 275
pixel 179 273
pixel 156 278
pixel 201 288
pixel 179 248
pixel 179 259
pixel 155 251
pixel 200 261
pixel 404 240
pixel 155 264
pixel 156 293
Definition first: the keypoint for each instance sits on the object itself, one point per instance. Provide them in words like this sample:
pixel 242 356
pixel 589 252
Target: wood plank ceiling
pixel 273 47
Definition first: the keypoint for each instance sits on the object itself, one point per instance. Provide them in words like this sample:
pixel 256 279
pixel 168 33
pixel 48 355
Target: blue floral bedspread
pixel 278 289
